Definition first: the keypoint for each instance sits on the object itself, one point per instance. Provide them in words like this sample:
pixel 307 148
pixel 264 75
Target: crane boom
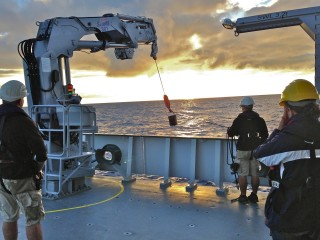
pixel 303 17
pixel 307 18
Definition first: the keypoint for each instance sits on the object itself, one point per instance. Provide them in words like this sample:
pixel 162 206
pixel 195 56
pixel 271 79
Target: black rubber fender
pixel 110 154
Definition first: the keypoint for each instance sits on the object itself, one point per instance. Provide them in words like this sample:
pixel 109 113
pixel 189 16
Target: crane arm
pixel 304 17
pixel 62 36
pixel 46 57
pixel 307 18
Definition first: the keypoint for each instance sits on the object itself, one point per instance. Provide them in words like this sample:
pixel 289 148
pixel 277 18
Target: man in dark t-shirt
pixel 251 130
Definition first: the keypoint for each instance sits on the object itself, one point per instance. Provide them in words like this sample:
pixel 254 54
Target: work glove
pixel 263 170
pixel 234 167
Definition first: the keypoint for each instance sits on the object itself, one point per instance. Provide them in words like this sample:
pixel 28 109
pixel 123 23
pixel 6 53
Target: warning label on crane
pixel 103 24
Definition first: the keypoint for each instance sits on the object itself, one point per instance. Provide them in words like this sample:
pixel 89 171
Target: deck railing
pixel 191 158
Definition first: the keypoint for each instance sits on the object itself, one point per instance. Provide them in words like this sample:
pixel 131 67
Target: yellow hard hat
pixel 298 90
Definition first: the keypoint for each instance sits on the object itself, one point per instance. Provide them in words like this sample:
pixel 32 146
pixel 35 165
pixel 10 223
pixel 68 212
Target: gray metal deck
pixel 140 210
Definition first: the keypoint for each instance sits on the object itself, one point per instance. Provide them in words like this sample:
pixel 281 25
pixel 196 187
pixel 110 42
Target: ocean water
pixel 203 118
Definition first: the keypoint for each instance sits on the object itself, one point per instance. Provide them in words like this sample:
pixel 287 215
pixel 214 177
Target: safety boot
pixel 243 199
pixel 253 198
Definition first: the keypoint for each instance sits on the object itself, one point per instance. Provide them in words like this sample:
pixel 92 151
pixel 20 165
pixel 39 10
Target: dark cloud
pixel 175 22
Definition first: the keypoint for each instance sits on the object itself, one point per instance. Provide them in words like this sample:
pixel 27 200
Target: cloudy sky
pixel 197 56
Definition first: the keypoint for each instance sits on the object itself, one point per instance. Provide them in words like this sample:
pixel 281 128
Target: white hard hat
pixel 13 90
pixel 246 101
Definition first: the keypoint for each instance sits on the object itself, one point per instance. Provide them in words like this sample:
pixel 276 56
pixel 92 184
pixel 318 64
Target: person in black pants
pixel 292 151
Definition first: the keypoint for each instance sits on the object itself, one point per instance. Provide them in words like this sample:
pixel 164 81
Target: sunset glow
pixel 197 57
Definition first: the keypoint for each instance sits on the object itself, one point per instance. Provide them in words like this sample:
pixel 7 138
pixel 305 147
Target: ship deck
pixel 141 210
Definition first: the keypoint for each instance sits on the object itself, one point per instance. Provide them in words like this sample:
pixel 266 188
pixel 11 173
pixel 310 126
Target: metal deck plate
pixel 141 210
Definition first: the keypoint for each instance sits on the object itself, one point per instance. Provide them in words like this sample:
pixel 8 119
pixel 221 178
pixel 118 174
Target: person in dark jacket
pixel 292 152
pixel 252 131
pixel 22 157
